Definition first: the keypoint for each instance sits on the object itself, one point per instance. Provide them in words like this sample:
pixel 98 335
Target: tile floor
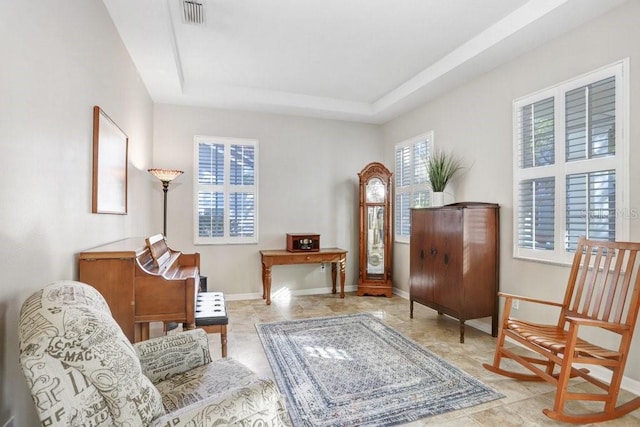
pixel 522 405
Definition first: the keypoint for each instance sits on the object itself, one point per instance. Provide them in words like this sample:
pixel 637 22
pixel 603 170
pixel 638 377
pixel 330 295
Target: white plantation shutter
pixel 591 120
pixel 591 134
pixel 536 193
pixel 211 214
pixel 242 212
pixel 536 222
pixel 537 129
pixel 591 206
pixel 226 190
pixel 411 183
pixel 211 195
pixel 569 170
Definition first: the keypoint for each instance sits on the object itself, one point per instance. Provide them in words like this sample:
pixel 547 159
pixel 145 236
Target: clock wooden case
pixel 375 231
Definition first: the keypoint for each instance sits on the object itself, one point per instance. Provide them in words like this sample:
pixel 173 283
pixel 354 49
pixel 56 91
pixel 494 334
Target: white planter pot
pixel 437 199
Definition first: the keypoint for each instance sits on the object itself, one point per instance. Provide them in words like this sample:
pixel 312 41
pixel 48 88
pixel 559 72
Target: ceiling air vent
pixel 193 12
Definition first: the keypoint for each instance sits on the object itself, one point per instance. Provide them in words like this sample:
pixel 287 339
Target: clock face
pixel 375 191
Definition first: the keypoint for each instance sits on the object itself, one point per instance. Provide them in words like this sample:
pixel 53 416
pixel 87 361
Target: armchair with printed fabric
pixel 82 370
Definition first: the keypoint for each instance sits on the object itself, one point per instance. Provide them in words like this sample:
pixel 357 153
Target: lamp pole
pixel 165 189
pixel 166 176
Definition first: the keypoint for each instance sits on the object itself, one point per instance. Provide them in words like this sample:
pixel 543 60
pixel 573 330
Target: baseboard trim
pixel 401 293
pixel 286 292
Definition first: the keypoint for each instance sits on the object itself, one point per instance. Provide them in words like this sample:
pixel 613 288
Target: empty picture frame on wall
pixel 110 148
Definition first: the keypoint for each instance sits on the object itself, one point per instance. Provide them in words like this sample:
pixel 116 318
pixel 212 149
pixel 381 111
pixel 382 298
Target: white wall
pixel 308 183
pixel 475 121
pixel 59 59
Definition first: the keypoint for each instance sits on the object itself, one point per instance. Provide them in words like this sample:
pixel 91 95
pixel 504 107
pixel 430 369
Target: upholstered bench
pixel 211 315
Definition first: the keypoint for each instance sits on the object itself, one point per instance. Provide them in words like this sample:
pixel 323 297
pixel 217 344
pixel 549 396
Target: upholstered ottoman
pixel 211 315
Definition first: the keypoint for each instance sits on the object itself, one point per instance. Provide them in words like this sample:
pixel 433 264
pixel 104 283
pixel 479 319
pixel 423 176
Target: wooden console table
pixel 283 257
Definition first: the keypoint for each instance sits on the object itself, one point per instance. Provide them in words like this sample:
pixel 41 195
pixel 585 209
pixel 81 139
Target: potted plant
pixel 441 168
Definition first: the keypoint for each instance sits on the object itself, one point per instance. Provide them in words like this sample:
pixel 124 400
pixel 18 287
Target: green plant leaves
pixel 441 168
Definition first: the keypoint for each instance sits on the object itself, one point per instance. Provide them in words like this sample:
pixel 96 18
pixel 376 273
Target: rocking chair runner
pixel 603 292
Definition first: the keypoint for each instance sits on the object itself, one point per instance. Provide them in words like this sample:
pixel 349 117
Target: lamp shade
pixel 165 175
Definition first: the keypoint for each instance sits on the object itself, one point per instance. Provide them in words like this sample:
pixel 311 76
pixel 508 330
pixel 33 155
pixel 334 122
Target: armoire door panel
pixel 418 259
pixel 445 244
pixel 481 245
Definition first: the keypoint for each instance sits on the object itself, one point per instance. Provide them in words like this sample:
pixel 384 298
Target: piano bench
pixel 211 315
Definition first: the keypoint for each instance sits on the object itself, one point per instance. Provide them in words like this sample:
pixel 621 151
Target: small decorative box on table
pixel 303 242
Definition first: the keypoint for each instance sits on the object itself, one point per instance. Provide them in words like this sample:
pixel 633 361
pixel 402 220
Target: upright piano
pixel 143 280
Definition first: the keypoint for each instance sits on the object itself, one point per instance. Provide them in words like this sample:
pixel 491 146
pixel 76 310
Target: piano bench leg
pixel 144 331
pixel 218 329
pixel 223 340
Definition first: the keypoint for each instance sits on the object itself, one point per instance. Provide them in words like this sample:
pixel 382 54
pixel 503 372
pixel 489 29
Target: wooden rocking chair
pixel 602 292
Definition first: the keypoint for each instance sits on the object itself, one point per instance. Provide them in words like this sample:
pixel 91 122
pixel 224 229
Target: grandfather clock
pixel 375 231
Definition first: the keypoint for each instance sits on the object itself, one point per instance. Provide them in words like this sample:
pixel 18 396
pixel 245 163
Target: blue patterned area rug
pixel 354 370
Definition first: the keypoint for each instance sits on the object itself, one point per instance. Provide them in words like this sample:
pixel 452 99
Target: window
pixel 569 165
pixel 226 190
pixel 411 182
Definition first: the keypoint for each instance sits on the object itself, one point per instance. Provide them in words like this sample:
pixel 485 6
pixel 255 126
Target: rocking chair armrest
pixel 528 299
pixel 581 321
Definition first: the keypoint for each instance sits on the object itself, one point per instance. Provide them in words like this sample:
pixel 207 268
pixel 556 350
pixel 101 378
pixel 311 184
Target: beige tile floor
pixel 522 405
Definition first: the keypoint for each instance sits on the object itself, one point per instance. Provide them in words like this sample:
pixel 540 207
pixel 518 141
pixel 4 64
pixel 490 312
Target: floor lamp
pixel 166 176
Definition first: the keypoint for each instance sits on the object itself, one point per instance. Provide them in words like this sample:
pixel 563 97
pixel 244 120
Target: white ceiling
pixel 359 60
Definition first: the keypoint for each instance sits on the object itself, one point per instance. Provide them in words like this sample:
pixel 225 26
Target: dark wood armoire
pixel 454 261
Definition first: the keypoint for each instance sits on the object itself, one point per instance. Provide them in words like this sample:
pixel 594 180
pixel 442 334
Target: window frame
pixel 412 188
pixel 561 169
pixel 226 188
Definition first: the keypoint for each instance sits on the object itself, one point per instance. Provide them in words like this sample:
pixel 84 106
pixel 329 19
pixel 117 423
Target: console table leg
pixel 266 283
pixel 343 263
pixel 264 288
pixel 334 275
